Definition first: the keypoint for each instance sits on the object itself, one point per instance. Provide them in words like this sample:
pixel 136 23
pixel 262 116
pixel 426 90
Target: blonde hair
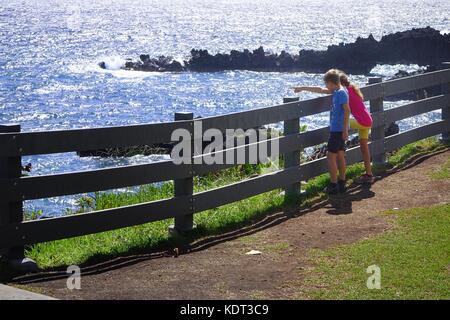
pixel 333 76
pixel 345 81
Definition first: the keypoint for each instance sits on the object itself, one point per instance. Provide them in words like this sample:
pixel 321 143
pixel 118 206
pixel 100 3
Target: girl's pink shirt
pixel 358 109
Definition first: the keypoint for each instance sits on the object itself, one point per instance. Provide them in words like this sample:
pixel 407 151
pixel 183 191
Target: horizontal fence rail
pixel 59 141
pixel 46 186
pixel 87 223
pixel 14 188
pixel 405 84
pixel 398 140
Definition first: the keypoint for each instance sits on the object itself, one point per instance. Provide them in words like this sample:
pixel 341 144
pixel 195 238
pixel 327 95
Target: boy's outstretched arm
pixel 346 120
pixel 311 89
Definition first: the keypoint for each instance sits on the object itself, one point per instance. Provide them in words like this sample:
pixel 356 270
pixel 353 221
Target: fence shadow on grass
pixel 264 221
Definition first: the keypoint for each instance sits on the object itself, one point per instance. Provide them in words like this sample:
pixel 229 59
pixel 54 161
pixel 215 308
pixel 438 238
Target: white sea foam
pixel 388 70
pixel 114 63
pixel 113 66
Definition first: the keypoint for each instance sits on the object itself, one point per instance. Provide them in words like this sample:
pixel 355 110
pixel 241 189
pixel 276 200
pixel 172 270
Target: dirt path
pixel 218 267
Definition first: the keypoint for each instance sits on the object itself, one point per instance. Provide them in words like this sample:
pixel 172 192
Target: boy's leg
pixel 332 166
pixel 334 144
pixel 342 165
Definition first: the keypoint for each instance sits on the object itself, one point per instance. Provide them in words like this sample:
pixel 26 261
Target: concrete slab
pixel 11 293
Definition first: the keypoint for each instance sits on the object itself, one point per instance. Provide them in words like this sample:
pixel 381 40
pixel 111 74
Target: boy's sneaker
pixel 365 179
pixel 341 186
pixel 332 188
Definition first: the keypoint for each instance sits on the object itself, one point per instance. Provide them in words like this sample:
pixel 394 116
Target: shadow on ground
pixel 338 205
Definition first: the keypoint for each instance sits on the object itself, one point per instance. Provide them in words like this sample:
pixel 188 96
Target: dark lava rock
pixel 392 129
pixel 161 64
pixel 423 46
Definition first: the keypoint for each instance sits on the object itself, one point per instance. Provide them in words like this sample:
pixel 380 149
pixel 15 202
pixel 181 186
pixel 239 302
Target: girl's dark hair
pixel 345 81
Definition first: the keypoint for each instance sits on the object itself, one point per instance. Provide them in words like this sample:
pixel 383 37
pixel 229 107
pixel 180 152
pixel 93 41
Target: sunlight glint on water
pixel 49 50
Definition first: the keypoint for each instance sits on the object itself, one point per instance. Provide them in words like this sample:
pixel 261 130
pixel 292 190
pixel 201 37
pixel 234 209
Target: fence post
pixel 376 105
pixel 446 109
pixel 12 212
pixel 292 159
pixel 185 186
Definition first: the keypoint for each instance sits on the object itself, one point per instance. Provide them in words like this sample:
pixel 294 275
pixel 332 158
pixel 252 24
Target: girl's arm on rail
pixel 311 89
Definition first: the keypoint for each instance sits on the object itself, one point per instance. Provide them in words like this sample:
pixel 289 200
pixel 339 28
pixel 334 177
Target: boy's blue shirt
pixel 337 114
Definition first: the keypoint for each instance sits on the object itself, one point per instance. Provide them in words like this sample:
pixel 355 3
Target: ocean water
pixel 49 50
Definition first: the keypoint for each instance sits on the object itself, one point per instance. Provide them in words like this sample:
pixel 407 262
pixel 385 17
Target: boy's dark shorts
pixel 335 142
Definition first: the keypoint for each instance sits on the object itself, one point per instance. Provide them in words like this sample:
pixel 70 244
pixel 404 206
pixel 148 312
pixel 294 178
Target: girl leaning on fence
pixel 361 121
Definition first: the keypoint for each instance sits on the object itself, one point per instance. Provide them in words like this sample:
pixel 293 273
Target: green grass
pixel 421 147
pixel 442 173
pixel 154 236
pixel 413 257
pixel 277 247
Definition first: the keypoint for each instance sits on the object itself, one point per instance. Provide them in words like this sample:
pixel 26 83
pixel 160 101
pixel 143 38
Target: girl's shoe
pixel 365 179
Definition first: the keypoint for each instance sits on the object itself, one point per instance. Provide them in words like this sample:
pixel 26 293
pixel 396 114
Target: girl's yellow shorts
pixel 362 130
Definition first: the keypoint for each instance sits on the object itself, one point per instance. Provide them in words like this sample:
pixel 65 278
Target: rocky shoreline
pixel 422 46
pixel 425 47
